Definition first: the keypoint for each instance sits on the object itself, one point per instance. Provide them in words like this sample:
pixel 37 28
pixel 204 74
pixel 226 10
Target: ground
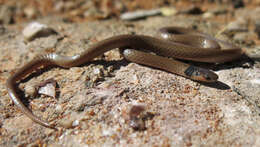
pixel 94 101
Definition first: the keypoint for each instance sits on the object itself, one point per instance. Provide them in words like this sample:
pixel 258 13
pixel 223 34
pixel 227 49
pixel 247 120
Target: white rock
pixel 139 14
pixel 255 81
pixel 35 30
pixel 48 89
pixel 75 123
pixel 208 15
pixel 253 53
pixel 167 11
pixel 239 25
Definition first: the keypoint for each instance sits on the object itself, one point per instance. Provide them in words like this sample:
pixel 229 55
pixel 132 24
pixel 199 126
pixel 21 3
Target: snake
pixel 165 51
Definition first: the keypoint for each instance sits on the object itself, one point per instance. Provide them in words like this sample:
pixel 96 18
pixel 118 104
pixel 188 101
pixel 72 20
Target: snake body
pixel 175 42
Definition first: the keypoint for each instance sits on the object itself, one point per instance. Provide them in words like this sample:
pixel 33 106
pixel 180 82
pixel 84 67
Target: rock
pixel 66 123
pixel 139 14
pixel 17 123
pixel 255 81
pixel 30 12
pixel 136 118
pixel 71 120
pixel 137 124
pixel 208 15
pixel 253 53
pixel 169 11
pixel 48 88
pixel 6 14
pixel 30 90
pixel 59 109
pixel 215 11
pixel 98 71
pixel 35 30
pixel 59 6
pixel 239 25
pixel 75 123
pixel 244 38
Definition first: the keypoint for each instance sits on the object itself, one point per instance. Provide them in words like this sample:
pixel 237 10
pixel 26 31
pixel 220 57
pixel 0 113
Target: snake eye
pixel 210 76
pixel 197 73
pixel 200 74
pixel 207 77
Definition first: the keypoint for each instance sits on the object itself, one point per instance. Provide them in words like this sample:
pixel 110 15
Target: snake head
pixel 201 74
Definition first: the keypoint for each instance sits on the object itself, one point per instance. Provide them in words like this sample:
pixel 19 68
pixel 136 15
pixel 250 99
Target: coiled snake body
pixel 175 42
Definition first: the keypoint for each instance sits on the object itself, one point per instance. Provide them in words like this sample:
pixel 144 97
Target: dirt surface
pixel 112 102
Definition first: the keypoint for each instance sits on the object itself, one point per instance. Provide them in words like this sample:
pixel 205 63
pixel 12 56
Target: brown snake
pixel 176 42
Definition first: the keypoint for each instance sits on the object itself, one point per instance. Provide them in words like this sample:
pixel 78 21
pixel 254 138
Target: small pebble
pixel 35 30
pixel 136 117
pixel 59 6
pixel 75 123
pixel 97 71
pixel 240 36
pixel 30 12
pixel 255 81
pixel 48 88
pixel 139 14
pixel 30 90
pixel 135 79
pixel 59 108
pixel 208 15
pixel 244 38
pixel 136 110
pixel 253 53
pixel 6 14
pixel 137 124
pixel 66 123
pixel 169 11
pixel 237 26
